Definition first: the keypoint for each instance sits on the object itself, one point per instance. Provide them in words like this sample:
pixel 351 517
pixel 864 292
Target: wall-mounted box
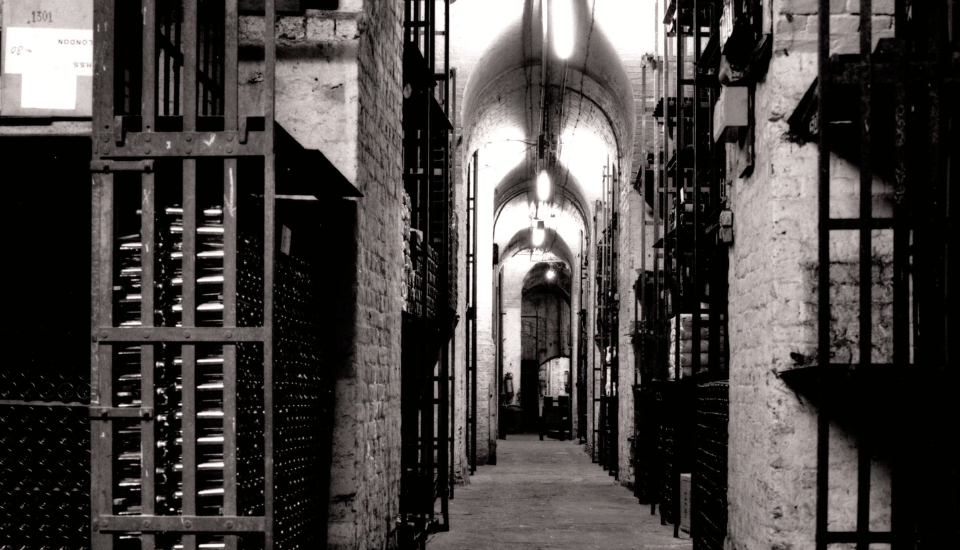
pixel 46 69
pixel 732 111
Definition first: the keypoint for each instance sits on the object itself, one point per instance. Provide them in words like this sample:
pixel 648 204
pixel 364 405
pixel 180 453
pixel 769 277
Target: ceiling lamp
pixel 551 274
pixel 539 233
pixel 563 27
pixel 543 186
pixel 544 17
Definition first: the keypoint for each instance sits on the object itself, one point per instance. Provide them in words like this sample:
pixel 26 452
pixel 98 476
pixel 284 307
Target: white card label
pixel 42 50
pixel 48 91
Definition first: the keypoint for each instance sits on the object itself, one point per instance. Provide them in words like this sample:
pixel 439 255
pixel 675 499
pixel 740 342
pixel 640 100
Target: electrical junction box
pixel 46 66
pixel 731 112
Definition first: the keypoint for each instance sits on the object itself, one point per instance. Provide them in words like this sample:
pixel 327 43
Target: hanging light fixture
pixel 551 274
pixel 543 186
pixel 538 234
pixel 563 28
pixel 544 17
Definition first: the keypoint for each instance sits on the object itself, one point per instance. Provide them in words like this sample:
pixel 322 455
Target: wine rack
pixel 189 424
pixel 710 465
pixel 45 478
pixel 429 313
pixel 210 404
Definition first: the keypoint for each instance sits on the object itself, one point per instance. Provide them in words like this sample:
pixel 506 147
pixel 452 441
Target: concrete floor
pixel 546 495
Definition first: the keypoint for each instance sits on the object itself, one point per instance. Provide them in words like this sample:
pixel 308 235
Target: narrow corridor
pixel 547 495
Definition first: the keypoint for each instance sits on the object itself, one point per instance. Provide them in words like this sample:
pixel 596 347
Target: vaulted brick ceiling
pixel 588 118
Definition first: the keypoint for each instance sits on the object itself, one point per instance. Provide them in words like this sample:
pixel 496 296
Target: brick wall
pixel 592 379
pixel 461 462
pixel 632 215
pixel 772 306
pixel 379 303
pixel 339 91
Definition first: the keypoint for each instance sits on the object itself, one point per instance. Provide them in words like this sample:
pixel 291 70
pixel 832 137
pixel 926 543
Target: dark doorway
pixel 529 395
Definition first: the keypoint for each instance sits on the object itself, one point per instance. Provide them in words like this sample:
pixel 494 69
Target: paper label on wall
pixel 48 91
pixel 48 51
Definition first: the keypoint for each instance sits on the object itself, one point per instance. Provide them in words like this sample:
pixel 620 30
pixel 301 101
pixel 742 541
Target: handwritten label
pixel 48 51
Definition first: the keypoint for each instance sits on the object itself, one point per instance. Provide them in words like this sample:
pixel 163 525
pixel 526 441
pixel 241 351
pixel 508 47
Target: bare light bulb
pixel 543 186
pixel 551 274
pixel 563 28
pixel 545 18
pixel 539 233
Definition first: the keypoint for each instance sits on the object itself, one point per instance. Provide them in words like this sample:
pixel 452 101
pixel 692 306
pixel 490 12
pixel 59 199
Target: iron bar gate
pixel 607 319
pixel 473 172
pixel 183 403
pixel 682 333
pixel 597 338
pixel 428 323
pixel 901 95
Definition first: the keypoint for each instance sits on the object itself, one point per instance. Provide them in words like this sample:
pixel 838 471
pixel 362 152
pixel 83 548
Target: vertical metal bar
pixel 205 46
pixel 413 12
pixel 189 65
pixel 188 352
pixel 823 277
pixel 230 64
pixel 230 351
pixel 594 454
pixel 167 80
pixel 104 66
pixel 230 52
pixel 468 342
pixel 101 371
pixel 658 182
pixel 101 376
pixel 473 328
pixel 694 246
pixel 177 62
pixel 147 392
pixel 453 350
pixel 269 258
pixel 640 294
pixel 601 310
pixel 443 279
pixel 430 30
pixel 936 240
pixel 678 183
pixel 678 251
pixel 866 277
pixel 427 358
pixel 448 72
pixel 148 96
pixel 407 28
pixel 900 469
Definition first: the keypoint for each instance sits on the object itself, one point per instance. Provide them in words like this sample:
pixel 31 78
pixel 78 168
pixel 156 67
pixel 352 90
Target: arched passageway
pixel 542 135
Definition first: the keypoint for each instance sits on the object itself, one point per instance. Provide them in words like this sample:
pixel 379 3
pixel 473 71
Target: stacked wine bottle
pixel 168 373
pixel 303 412
pixel 45 484
pixel 302 391
pixel 59 384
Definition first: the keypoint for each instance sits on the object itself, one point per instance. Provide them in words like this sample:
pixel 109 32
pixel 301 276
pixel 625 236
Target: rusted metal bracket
pixel 179 524
pixel 109 413
pixel 181 334
pixel 184 144
pixel 119 131
pixel 121 166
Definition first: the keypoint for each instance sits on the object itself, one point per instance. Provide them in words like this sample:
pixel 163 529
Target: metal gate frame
pixel 427 342
pixel 918 69
pixel 120 146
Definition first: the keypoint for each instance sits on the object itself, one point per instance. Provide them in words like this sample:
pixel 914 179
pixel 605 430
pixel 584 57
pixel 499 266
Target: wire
pixel 586 56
